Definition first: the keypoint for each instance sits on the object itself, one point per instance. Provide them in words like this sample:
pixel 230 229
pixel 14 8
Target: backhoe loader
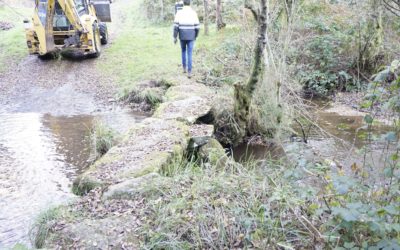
pixel 68 25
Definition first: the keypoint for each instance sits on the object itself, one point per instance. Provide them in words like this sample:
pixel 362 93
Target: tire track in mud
pixel 29 80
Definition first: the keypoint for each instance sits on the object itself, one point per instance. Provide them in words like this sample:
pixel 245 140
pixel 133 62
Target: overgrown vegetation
pixel 342 44
pixel 268 206
pixel 146 96
pixel 326 47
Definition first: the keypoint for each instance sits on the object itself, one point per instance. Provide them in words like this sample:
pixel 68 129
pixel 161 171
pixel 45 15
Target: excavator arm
pixel 67 24
pixel 68 6
pixel 71 13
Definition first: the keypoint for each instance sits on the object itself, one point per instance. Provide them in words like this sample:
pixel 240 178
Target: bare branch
pixel 393 6
pixel 253 9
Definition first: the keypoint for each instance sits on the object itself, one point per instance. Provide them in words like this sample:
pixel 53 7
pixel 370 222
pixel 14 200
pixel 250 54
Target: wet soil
pixel 55 86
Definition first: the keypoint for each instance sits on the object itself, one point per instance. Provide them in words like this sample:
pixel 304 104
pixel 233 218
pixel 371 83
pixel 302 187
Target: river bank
pixel 168 183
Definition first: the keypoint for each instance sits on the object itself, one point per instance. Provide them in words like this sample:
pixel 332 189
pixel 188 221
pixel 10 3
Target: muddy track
pixel 59 86
pixel 54 86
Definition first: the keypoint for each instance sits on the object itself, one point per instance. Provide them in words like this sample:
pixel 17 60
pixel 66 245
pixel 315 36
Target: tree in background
pixel 205 3
pixel 220 22
pixel 162 9
pixel 370 50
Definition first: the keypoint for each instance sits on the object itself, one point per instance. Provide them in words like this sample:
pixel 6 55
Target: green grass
pixel 43 225
pixel 143 50
pixel 20 246
pixel 203 207
pixel 42 229
pixel 103 138
pixel 264 205
pixel 13 42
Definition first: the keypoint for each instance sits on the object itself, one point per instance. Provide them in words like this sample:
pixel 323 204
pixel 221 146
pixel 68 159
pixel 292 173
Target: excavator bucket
pixel 103 10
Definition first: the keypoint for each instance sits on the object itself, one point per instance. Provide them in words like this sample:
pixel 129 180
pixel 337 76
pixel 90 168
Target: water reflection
pixel 40 155
pixel 342 142
pixel 32 174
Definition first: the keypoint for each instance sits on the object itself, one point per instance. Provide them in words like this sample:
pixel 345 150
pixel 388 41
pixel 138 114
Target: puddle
pixel 40 155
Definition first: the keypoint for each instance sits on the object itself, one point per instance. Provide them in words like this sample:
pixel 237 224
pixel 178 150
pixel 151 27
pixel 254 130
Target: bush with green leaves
pixel 364 206
pixel 363 213
pixel 326 58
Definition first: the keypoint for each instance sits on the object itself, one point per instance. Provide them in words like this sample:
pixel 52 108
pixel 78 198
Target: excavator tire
pixel 96 43
pixel 103 33
pixel 48 56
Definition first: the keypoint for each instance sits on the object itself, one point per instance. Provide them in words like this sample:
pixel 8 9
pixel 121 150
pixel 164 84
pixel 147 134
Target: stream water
pixel 42 152
pixel 337 138
pixel 40 155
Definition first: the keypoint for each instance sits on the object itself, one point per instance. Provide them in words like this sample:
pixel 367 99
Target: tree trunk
pixel 205 17
pixel 220 22
pixel 370 52
pixel 244 93
pixel 162 9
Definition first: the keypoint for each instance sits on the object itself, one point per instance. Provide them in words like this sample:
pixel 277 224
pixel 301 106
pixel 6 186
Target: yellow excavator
pixel 68 25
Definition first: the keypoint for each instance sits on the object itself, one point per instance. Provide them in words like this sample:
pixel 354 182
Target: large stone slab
pixel 126 189
pixel 186 110
pixel 151 144
pixel 145 149
pixel 186 103
pixel 107 217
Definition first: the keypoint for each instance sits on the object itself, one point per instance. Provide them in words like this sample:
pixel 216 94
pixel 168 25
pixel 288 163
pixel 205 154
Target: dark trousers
pixel 187 52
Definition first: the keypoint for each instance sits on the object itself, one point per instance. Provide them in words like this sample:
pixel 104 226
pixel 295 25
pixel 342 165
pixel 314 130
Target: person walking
pixel 187 26
pixel 178 6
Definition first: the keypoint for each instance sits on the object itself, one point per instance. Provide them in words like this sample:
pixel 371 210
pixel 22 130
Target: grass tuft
pixel 147 96
pixel 103 138
pixel 82 186
pixel 43 225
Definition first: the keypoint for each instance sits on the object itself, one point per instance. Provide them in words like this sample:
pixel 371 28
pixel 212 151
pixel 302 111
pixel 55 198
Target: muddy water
pixel 347 139
pixel 247 152
pixel 40 155
pixel 339 139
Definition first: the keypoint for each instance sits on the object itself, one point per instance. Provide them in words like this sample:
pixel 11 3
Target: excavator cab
pixel 68 25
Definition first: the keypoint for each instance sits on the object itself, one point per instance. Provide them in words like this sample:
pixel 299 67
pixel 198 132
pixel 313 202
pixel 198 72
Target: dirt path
pixel 60 86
